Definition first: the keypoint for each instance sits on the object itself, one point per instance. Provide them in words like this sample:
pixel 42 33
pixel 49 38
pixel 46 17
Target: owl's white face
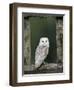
pixel 44 41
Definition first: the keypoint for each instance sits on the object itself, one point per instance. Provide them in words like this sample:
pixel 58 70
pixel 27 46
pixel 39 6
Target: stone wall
pixel 59 39
pixel 27 43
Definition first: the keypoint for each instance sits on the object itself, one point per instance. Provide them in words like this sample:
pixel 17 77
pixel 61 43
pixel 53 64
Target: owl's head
pixel 44 41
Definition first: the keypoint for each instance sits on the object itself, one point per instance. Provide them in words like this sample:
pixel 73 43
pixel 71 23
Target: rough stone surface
pixel 59 40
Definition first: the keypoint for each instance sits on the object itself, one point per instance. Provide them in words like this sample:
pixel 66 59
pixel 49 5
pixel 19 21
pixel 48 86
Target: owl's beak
pixel 44 45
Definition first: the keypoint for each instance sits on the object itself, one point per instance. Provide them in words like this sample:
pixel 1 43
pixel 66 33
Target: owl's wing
pixel 47 51
pixel 38 57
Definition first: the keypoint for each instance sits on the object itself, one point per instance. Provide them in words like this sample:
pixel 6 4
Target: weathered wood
pixel 44 66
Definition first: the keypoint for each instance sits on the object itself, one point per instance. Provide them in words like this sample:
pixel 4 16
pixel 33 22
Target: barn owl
pixel 41 51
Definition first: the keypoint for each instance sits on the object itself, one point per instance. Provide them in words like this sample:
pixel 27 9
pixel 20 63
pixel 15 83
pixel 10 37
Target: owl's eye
pixel 42 41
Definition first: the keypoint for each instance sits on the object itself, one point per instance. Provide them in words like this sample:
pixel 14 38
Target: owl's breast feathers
pixel 44 50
